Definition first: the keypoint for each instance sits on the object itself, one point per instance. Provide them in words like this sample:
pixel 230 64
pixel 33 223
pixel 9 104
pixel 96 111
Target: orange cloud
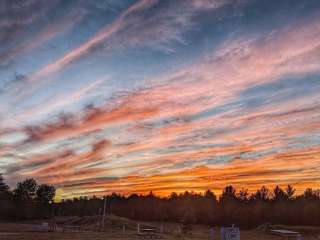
pixel 162 136
pixel 294 167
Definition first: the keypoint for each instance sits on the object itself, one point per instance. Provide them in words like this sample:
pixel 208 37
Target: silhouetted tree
pixel 4 188
pixel 6 204
pixel 279 194
pixel 26 190
pixel 45 193
pixel 228 195
pixel 290 191
pixel 240 208
pixel 31 201
pixel 243 195
pixel 263 194
pixel 310 194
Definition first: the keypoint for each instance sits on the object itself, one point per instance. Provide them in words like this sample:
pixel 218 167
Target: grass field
pixel 102 236
pixel 247 235
pixel 35 231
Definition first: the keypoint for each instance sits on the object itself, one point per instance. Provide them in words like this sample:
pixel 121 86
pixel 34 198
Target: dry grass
pixel 247 235
pixel 34 231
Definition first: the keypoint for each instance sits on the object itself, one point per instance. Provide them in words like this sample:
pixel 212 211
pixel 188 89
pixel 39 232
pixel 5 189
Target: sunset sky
pixel 129 96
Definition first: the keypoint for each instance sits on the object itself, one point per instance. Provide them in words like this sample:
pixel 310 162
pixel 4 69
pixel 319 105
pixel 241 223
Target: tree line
pixel 27 201
pixel 247 210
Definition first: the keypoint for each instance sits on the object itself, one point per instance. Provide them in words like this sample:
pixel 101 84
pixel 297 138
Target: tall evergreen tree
pixel 4 188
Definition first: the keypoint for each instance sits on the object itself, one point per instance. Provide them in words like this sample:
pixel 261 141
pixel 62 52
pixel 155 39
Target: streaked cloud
pixel 235 102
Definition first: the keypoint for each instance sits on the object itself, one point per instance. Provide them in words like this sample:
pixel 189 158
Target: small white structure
pixel 212 233
pixel 299 237
pixel 286 233
pixel 146 231
pixel 45 224
pixel 230 233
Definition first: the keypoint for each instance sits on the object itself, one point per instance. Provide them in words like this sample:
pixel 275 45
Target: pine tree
pixel 4 188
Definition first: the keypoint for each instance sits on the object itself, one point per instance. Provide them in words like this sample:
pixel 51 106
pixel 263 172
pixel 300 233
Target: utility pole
pixel 104 213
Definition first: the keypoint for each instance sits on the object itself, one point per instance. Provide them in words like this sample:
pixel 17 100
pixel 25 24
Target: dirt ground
pixel 36 231
pixel 102 236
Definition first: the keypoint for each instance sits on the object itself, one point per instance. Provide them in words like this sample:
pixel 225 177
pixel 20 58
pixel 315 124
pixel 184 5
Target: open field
pixel 248 235
pixel 89 229
pixel 25 232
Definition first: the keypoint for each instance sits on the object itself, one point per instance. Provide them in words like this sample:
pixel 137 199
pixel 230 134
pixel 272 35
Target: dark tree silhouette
pixel 5 199
pixel 26 190
pixel 243 195
pixel 290 191
pixel 45 193
pixel 282 206
pixel 263 194
pixel 279 194
pixel 4 188
pixel 27 201
pixel 228 195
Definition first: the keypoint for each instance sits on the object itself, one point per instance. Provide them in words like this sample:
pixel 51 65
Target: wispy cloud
pixel 136 27
pixel 240 113
pixel 269 171
pixel 49 32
